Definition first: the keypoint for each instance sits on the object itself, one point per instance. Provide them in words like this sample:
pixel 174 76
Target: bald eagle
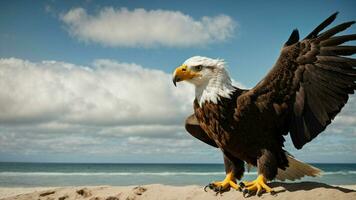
pixel 303 92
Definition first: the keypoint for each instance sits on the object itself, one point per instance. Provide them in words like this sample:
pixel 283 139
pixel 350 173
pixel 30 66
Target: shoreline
pixel 300 190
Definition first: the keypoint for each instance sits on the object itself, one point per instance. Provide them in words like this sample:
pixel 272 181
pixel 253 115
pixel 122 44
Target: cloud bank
pixel 146 28
pixel 106 93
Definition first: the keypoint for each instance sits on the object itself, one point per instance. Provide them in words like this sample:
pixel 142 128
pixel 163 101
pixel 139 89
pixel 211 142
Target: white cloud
pixel 347 116
pixel 146 28
pixel 149 131
pixel 106 93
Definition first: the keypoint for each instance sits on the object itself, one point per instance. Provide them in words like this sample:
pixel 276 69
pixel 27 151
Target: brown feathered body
pixel 238 136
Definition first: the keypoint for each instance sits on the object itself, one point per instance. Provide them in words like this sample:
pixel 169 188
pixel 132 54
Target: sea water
pixel 69 174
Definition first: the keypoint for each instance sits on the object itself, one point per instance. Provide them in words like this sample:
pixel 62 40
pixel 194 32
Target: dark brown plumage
pixel 307 87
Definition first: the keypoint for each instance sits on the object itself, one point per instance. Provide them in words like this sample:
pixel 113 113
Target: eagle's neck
pixel 215 88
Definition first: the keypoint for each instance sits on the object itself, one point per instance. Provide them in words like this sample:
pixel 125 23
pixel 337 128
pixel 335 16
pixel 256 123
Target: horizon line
pixel 148 163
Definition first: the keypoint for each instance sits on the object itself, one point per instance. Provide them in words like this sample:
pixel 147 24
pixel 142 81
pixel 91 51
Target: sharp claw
pixel 241 184
pixel 211 186
pixel 205 188
pixel 218 189
pixel 244 192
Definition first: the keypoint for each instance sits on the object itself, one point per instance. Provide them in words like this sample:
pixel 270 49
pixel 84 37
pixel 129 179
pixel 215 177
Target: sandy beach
pixel 290 191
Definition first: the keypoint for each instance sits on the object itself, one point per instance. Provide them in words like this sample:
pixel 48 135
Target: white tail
pixel 297 170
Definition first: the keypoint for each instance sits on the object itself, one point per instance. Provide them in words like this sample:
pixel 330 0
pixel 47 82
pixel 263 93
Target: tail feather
pixel 297 170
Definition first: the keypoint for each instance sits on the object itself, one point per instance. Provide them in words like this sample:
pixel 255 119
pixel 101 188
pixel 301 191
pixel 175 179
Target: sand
pixel 290 191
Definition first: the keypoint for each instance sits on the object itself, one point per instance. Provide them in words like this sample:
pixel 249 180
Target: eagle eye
pixel 198 67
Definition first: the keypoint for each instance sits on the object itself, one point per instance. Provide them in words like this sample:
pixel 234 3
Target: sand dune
pixel 290 191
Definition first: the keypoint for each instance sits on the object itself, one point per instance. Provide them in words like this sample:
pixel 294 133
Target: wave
pixel 141 173
pixel 339 172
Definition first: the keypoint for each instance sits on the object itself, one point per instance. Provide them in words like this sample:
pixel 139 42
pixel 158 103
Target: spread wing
pixel 309 83
pixel 193 127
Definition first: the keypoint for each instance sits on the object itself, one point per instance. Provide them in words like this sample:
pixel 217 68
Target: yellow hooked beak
pixel 183 73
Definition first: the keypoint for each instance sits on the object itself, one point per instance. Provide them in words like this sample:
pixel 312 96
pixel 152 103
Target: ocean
pixel 65 174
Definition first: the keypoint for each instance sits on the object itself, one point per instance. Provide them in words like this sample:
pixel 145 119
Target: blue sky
pixel 75 91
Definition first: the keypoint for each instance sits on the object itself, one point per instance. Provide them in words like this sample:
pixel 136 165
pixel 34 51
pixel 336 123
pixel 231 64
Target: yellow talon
pixel 257 185
pixel 224 185
pixel 234 185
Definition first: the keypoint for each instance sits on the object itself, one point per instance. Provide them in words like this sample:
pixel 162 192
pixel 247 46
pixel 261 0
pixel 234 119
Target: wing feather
pixel 337 40
pixel 193 127
pixel 312 77
pixel 338 50
pixel 321 26
pixel 341 27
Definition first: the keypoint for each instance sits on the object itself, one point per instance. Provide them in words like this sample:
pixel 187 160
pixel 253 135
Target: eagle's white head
pixel 209 76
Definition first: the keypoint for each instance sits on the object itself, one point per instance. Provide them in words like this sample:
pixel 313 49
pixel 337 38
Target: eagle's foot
pixel 223 186
pixel 257 186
